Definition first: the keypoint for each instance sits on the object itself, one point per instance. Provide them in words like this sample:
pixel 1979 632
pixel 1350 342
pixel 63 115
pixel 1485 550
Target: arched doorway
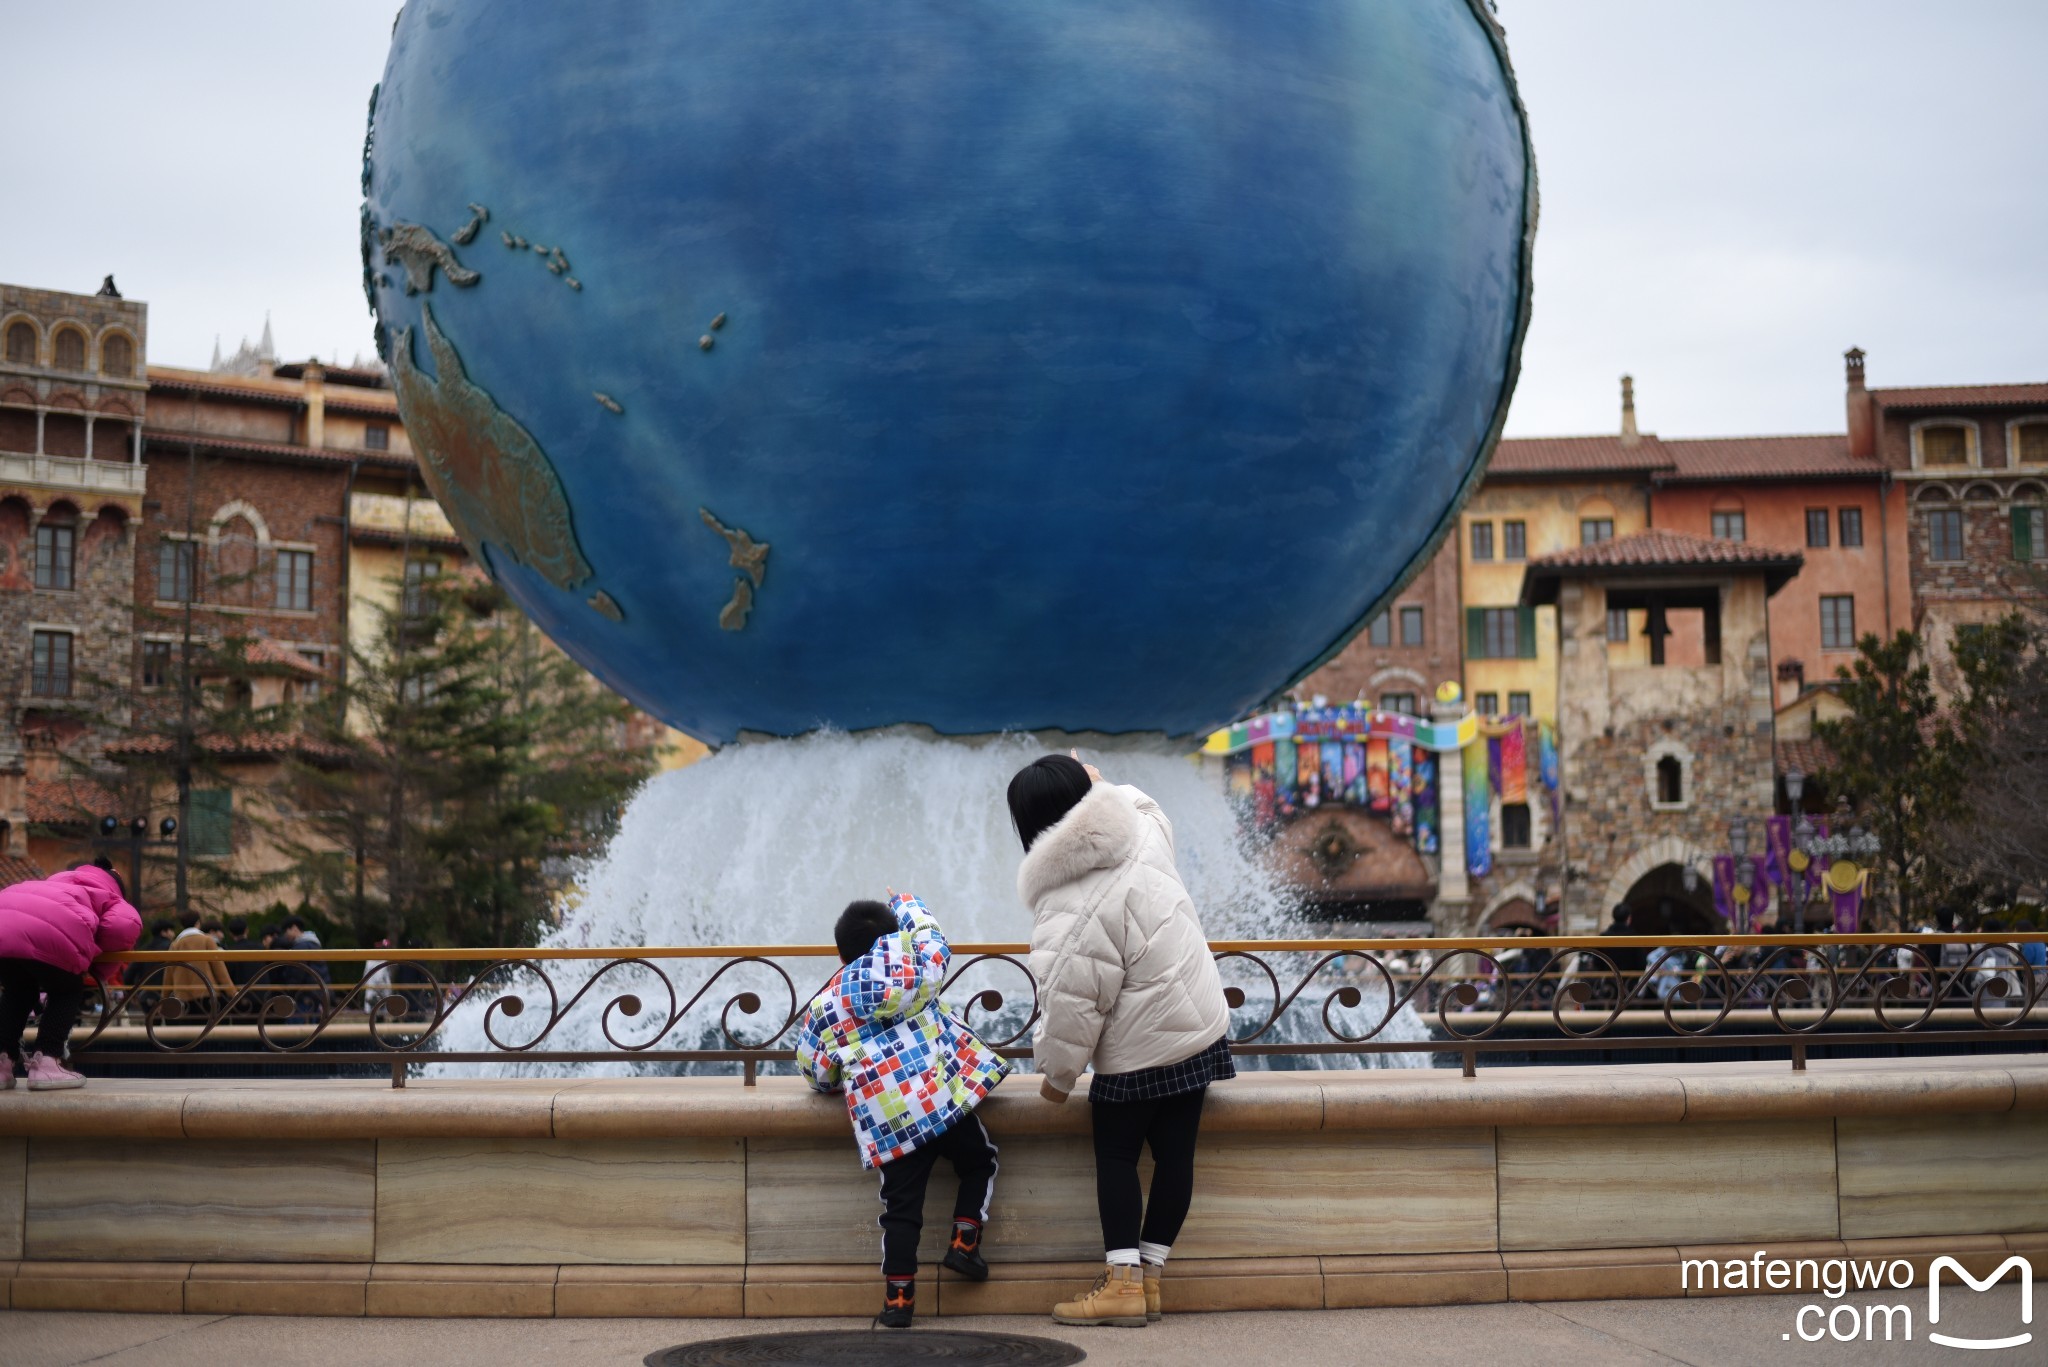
pixel 1660 904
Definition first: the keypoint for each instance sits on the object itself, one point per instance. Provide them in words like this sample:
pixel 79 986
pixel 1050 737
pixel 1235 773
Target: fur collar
pixel 1099 833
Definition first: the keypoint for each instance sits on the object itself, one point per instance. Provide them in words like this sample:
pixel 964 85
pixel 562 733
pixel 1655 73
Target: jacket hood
pixel 1099 833
pixel 879 987
pixel 94 877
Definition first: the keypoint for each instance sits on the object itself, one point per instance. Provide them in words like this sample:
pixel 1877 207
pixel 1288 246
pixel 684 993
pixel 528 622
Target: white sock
pixel 1121 1257
pixel 1155 1254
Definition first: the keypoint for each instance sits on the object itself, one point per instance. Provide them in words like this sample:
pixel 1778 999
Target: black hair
pixel 162 926
pixel 1622 914
pixel 292 923
pixel 188 918
pixel 1043 791
pixel 106 866
pixel 238 926
pixel 859 926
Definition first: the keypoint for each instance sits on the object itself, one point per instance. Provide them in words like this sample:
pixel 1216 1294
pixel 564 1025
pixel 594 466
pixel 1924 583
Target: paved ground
pixel 1739 1331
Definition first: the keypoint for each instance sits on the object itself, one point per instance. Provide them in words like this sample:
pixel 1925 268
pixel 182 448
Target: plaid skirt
pixel 1169 1079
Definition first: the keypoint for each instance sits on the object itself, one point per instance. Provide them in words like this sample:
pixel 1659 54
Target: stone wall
pixel 701 1197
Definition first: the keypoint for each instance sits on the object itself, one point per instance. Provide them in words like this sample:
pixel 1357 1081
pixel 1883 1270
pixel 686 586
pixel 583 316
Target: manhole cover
pixel 871 1348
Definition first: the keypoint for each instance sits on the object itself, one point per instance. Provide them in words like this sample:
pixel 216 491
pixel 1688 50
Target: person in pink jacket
pixel 51 931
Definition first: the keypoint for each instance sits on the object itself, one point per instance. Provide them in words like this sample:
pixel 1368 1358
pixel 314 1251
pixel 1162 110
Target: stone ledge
pixel 1374 1099
pixel 834 1290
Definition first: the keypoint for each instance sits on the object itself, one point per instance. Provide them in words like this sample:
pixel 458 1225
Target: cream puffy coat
pixel 1125 977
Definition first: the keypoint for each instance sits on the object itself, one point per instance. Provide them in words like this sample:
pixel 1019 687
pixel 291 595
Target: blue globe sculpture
pixel 1094 366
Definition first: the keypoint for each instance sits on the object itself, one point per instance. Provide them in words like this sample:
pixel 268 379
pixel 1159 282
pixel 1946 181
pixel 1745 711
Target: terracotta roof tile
pixel 224 744
pixel 1576 455
pixel 1659 546
pixel 66 801
pixel 15 869
pixel 1807 756
pixel 1824 456
pixel 324 455
pixel 1963 396
pixel 264 651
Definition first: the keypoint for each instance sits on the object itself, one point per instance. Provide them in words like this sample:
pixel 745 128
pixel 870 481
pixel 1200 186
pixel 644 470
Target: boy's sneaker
pixel 963 1255
pixel 899 1303
pixel 46 1074
pixel 1152 1311
pixel 1118 1297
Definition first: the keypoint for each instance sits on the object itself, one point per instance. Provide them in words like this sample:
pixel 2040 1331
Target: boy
pixel 912 1076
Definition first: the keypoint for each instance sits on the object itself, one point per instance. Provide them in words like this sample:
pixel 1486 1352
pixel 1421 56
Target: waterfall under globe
pixel 763 844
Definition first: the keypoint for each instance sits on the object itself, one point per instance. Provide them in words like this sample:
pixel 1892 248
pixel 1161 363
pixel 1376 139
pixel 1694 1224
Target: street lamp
pixel 135 842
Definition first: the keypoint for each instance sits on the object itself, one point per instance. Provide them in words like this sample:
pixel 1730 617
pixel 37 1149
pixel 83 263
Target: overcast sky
pixel 1734 191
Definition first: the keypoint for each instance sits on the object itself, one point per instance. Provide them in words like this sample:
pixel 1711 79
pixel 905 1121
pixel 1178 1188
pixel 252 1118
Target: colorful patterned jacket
pixel 909 1069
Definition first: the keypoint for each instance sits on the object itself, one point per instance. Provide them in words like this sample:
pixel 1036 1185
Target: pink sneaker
pixel 45 1074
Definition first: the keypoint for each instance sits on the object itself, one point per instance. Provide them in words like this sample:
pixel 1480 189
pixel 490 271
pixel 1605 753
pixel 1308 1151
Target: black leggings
pixel 21 982
pixel 1122 1128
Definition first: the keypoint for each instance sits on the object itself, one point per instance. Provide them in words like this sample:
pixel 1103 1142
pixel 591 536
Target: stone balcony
pixel 396 516
pixel 74 474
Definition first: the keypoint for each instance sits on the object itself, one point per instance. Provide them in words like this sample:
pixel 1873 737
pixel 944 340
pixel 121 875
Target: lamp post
pixel 135 841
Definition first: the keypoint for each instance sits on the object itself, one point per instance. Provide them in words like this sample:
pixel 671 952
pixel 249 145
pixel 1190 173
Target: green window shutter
pixel 213 818
pixel 2022 533
pixel 1525 632
pixel 1475 633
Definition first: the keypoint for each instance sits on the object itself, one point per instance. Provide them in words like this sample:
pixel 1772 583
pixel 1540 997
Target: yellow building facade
pixel 1541 496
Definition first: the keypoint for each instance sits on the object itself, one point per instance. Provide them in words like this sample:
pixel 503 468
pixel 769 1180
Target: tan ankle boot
pixel 1152 1311
pixel 1118 1297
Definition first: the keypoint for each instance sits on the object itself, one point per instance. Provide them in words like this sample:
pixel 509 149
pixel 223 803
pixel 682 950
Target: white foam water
pixel 764 842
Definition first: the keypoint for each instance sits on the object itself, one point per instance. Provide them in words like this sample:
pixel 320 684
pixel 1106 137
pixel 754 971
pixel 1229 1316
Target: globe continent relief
pixel 1096 367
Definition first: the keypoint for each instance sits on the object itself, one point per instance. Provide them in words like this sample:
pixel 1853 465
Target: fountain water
pixel 766 840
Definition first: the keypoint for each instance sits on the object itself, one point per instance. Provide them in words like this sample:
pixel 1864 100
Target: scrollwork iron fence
pixel 1301 998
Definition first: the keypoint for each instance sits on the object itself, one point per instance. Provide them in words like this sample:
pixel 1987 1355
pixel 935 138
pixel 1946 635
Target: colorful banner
pixel 1401 768
pixel 1308 767
pixel 1377 787
pixel 1265 794
pixel 1845 883
pixel 1354 772
pixel 1333 770
pixel 1724 887
pixel 1425 802
pixel 1514 766
pixel 1478 811
pixel 1547 765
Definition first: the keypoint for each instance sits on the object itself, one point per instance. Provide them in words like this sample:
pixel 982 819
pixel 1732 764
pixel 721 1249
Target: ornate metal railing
pixel 743 1004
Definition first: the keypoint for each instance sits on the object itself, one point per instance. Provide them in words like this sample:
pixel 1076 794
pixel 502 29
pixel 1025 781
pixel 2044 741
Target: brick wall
pixel 1365 670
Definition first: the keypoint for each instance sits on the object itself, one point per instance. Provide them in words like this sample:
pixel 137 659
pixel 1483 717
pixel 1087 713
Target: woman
pixel 51 930
pixel 1125 982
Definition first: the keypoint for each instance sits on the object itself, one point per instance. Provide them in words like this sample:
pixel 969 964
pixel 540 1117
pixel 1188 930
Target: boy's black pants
pixel 966 1145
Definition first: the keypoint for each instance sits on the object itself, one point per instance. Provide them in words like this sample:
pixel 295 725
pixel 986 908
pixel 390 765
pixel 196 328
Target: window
pixel 1514 541
pixel 417 574
pixel 21 344
pixel 1486 704
pixel 1594 530
pixel 1482 541
pixel 211 834
pixel 376 437
pixel 56 544
pixel 2030 443
pixel 1617 626
pixel 1850 521
pixel 2029 534
pixel 156 664
pixel 1518 704
pixel 1838 622
pixel 70 349
pixel 295 581
pixel 1500 633
pixel 1514 825
pixel 1670 781
pixel 1380 631
pixel 1945 534
pixel 177 564
pixel 50 664
pixel 1944 446
pixel 1411 626
pixel 310 689
pixel 117 356
pixel 1729 527
pixel 1398 702
pixel 1817 528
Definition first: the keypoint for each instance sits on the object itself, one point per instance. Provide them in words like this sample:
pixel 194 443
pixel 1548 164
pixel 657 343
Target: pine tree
pixel 1897 760
pixel 481 762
